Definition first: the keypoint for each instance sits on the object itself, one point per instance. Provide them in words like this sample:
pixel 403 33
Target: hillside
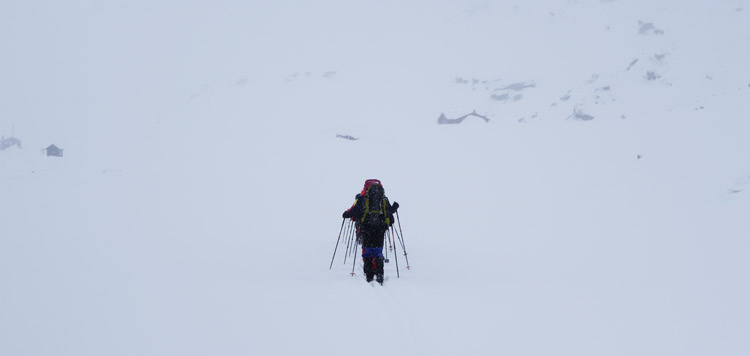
pixel 601 210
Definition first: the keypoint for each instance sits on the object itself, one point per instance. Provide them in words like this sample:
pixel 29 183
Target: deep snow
pixel 199 200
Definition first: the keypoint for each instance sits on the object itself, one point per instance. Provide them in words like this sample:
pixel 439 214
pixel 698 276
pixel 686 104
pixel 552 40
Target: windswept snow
pixel 211 148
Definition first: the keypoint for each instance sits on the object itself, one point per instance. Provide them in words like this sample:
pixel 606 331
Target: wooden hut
pixel 54 151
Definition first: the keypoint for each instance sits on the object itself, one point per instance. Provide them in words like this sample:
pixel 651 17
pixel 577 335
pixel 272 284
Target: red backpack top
pixel 368 183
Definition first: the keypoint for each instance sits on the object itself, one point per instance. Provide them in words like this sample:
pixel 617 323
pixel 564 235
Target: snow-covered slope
pixel 602 210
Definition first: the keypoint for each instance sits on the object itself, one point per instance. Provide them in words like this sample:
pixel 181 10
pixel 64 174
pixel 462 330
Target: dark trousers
pixel 372 251
pixel 373 267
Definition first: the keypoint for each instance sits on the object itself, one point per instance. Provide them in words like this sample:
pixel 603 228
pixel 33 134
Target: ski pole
pixel 387 245
pixel 354 261
pixel 348 238
pixel 395 256
pixel 390 247
pixel 353 239
pixel 403 245
pixel 337 243
pixel 357 240
pixel 401 240
pixel 353 243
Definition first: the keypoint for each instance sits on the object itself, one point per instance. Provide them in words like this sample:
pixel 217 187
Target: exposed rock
pixel 652 75
pixel 579 115
pixel 660 57
pixel 632 64
pixel 501 97
pixel 648 27
pixel 443 120
pixel 518 86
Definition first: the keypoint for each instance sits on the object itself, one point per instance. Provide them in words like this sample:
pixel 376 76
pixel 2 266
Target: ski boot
pixel 379 270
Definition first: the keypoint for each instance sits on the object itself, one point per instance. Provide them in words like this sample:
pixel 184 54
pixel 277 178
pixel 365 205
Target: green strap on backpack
pixel 381 211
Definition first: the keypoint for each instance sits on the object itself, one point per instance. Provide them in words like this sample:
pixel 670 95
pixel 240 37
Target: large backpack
pixel 375 215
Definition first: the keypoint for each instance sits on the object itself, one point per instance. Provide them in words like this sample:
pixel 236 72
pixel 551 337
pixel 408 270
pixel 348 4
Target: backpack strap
pixel 385 213
pixel 383 209
pixel 367 210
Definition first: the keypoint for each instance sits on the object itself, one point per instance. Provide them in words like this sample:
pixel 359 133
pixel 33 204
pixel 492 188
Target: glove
pixel 395 206
pixel 345 214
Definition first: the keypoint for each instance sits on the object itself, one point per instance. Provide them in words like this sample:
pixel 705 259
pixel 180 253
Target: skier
pixel 373 214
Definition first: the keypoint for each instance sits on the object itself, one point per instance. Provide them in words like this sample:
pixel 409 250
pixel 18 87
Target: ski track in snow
pixel 400 326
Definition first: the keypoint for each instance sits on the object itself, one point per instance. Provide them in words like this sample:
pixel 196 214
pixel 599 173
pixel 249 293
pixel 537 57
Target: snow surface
pixel 198 203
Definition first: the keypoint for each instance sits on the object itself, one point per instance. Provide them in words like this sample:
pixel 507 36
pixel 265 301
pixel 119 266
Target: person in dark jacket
pixel 373 214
